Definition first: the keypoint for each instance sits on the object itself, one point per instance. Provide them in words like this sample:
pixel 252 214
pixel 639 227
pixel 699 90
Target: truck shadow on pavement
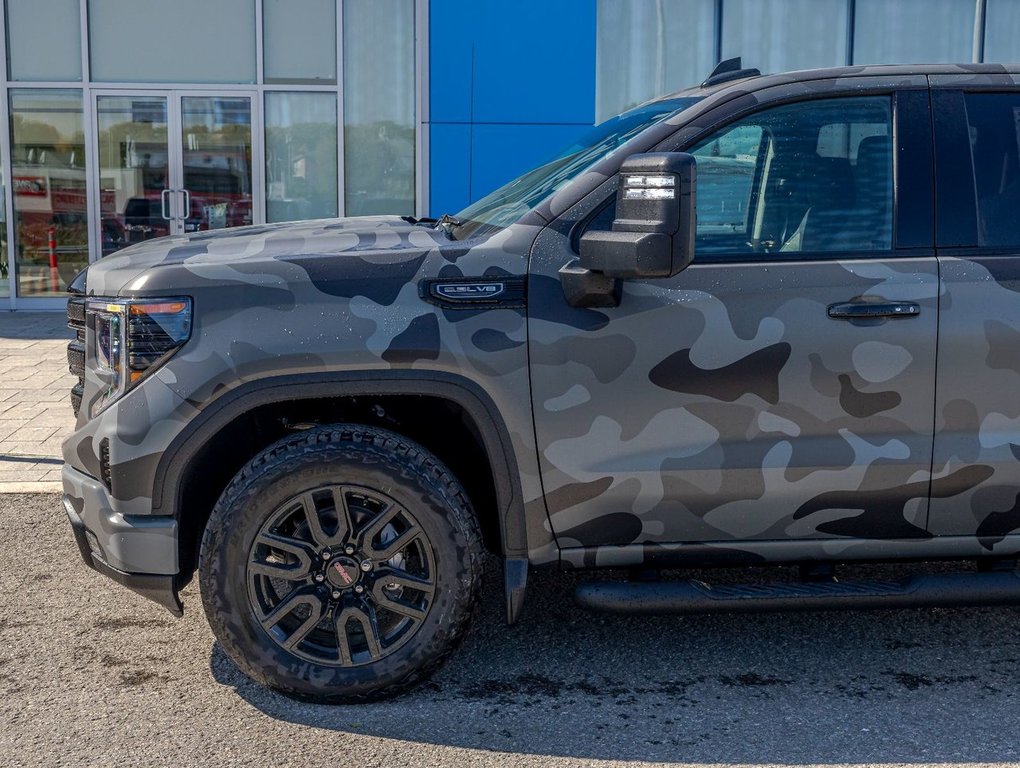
pixel 927 686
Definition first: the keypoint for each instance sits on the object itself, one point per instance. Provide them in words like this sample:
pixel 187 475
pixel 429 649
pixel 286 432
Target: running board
pixel 970 589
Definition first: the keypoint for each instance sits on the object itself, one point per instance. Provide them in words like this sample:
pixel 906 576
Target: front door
pixel 781 388
pixel 170 163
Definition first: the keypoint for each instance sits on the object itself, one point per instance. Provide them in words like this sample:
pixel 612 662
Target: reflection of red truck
pixel 30 186
pixel 47 198
pixel 55 191
pixel 51 223
pixel 218 188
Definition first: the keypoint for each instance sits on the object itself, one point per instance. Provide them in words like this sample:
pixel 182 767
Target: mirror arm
pixel 584 287
pixel 652 235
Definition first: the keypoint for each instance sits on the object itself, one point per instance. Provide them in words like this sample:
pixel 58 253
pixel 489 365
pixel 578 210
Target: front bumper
pixel 137 551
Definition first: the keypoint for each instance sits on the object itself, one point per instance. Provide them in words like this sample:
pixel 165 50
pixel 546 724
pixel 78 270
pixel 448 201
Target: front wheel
pixel 341 564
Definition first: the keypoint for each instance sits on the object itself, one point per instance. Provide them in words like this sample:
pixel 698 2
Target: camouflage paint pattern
pixel 978 399
pixel 144 544
pixel 800 411
pixel 723 405
pixel 294 299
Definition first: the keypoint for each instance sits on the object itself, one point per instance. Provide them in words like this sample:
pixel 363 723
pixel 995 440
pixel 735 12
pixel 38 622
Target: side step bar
pixel 648 598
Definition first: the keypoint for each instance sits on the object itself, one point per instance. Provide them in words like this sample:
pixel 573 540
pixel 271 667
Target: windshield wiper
pixel 448 223
pixel 423 220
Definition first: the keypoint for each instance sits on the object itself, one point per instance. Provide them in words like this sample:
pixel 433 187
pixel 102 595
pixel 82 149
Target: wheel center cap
pixel 342 573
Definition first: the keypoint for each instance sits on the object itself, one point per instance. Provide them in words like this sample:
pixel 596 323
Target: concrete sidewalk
pixel 35 403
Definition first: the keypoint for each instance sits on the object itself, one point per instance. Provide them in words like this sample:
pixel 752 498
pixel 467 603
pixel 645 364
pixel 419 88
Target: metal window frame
pixel 980 30
pixel 256 91
pixel 5 167
pixel 421 108
pixel 341 94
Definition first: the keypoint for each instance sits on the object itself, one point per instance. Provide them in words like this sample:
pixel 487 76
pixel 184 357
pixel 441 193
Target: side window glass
pixel 726 171
pixel 811 177
pixel 993 121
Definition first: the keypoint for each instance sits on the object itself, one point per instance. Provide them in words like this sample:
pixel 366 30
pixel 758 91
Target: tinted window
pixel 812 177
pixel 994 125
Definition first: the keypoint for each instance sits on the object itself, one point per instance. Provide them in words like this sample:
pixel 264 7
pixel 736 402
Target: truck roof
pixel 758 81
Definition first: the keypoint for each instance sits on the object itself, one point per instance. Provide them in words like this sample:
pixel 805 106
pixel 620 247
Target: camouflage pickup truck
pixel 767 320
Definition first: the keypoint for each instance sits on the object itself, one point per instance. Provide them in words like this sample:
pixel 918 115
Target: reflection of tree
pixel 379 159
pixel 114 140
pixel 33 132
pixel 39 146
pixel 60 150
pixel 230 135
pixel 315 143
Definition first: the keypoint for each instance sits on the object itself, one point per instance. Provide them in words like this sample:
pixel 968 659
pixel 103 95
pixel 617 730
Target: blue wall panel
pixel 520 77
pixel 503 152
pixel 450 167
pixel 452 33
pixel 536 63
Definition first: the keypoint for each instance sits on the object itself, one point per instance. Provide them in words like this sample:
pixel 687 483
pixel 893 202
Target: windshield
pixel 511 201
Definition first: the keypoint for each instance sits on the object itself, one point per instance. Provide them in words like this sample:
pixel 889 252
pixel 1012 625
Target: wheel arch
pixel 179 458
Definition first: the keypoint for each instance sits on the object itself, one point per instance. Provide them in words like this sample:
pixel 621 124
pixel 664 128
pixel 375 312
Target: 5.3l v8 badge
pixel 464 293
pixel 469 291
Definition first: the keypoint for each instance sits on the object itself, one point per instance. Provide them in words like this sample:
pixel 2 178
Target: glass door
pixel 216 161
pixel 135 182
pixel 171 163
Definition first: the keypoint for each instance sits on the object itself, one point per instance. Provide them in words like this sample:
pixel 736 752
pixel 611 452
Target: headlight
pixel 132 338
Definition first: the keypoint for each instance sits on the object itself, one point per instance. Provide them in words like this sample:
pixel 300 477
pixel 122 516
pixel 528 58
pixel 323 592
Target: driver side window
pixel 812 177
pixel 727 168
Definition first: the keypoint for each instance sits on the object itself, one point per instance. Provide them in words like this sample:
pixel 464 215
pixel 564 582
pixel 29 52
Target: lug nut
pixel 326 554
pixel 336 594
pixel 319 577
pixel 349 549
pixel 366 565
pixel 359 589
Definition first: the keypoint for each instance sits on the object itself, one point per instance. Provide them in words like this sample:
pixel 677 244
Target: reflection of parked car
pixel 114 236
pixel 143 219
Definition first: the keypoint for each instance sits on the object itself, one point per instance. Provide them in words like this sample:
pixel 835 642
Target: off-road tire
pixel 350 455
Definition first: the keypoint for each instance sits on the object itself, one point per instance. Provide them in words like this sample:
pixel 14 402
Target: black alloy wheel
pixel 341 564
pixel 341 575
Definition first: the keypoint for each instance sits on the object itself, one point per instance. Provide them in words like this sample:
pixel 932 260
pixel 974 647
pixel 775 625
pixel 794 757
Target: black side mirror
pixel 652 235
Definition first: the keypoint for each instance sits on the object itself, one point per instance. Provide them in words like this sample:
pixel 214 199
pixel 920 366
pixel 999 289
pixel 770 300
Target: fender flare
pixel 472 398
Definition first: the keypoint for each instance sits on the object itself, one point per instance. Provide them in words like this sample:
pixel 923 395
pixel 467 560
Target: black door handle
pixel 864 310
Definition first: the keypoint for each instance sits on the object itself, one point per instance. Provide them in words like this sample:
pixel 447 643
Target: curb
pixel 38 487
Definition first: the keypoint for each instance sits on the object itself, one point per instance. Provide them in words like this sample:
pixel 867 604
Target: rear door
pixel 976 467
pixel 779 389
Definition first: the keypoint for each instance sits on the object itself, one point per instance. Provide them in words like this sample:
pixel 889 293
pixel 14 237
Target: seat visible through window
pixel 818 178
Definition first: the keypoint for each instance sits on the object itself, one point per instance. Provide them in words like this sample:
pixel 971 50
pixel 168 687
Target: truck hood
pixel 132 269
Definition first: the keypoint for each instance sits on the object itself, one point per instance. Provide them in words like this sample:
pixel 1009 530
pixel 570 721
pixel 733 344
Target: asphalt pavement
pixel 91 674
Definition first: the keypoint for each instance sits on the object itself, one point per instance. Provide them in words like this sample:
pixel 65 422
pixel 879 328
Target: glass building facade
pixel 125 120
pixel 133 119
pixel 651 47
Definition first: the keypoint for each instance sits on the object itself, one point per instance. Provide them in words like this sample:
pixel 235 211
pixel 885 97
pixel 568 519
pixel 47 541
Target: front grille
pixel 76 357
pixel 76 349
